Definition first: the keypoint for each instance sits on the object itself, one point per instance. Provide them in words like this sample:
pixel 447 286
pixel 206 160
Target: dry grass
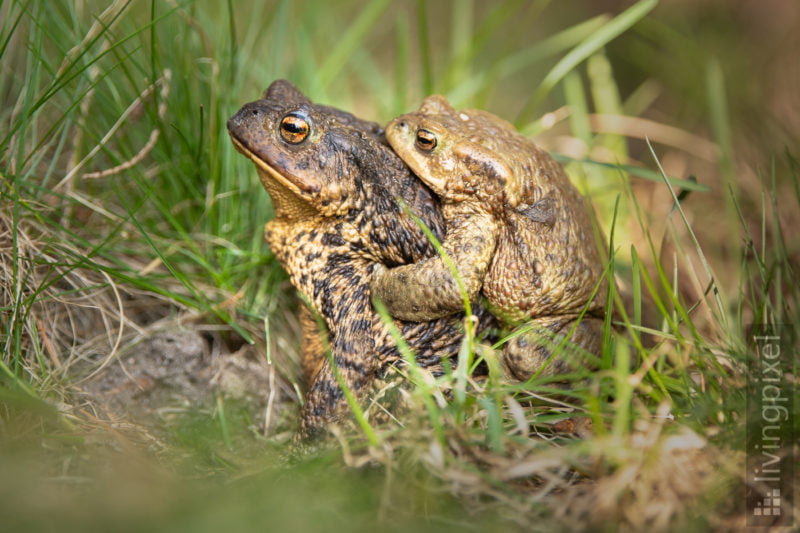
pixel 128 231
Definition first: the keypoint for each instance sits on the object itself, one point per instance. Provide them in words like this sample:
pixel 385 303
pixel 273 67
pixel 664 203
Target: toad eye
pixel 426 140
pixel 294 128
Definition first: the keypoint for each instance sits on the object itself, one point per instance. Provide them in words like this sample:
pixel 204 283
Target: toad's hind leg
pixel 524 355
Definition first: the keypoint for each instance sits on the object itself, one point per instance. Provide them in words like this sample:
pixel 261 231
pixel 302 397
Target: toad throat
pixel 288 200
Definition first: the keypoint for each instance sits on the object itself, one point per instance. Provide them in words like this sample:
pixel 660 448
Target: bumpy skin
pixel 337 197
pixel 517 231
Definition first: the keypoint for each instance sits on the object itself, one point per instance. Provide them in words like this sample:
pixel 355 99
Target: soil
pixel 174 371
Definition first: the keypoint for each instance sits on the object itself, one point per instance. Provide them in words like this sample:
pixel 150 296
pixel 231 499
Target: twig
pixel 164 82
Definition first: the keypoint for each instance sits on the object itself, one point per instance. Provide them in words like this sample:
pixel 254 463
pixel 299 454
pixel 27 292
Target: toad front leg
pixel 312 346
pixel 427 290
pixel 343 302
pixel 354 365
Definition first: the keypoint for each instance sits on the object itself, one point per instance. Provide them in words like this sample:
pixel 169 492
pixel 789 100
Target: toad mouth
pixel 293 184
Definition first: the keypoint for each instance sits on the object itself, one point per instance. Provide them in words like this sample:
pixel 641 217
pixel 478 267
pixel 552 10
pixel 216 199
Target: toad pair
pixel 346 230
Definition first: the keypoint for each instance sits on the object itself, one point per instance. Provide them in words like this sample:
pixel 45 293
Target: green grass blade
pixel 577 55
pixel 641 172
pixel 426 58
pixel 352 38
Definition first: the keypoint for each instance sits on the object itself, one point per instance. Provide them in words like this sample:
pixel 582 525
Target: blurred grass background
pixel 124 211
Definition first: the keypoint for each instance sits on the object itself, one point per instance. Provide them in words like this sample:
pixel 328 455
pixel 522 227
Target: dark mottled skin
pixel 337 217
pixel 518 233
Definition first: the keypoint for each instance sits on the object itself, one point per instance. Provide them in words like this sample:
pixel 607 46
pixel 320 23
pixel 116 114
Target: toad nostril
pixel 255 112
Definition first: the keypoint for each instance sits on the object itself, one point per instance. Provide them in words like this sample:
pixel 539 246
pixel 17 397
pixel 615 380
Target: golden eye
pixel 294 129
pixel 426 140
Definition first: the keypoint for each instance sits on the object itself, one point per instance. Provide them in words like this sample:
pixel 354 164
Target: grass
pixel 127 216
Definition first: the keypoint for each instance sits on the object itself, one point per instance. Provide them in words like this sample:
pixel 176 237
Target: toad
pixel 336 189
pixel 518 232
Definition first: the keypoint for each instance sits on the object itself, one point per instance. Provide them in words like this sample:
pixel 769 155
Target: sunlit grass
pixel 124 209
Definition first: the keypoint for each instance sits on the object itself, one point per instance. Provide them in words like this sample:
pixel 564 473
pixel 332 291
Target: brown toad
pixel 517 231
pixel 334 184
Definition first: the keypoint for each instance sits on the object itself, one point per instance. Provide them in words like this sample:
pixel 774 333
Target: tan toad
pixel 517 231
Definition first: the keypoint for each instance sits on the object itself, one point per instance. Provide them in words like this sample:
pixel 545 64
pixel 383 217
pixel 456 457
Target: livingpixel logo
pixel 770 425
pixel 770 506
